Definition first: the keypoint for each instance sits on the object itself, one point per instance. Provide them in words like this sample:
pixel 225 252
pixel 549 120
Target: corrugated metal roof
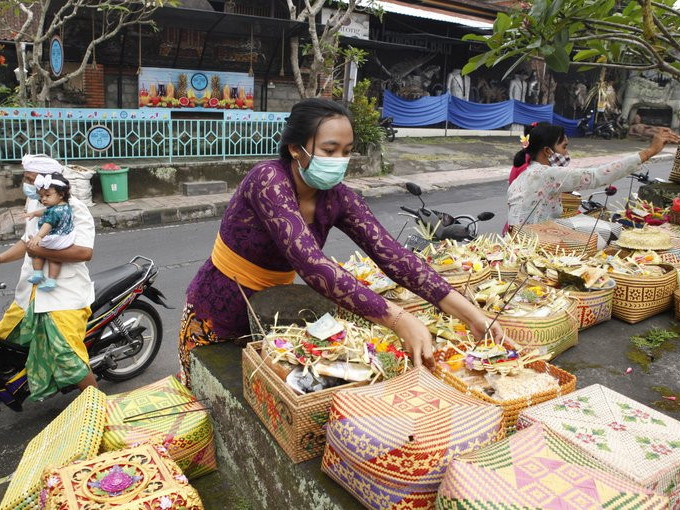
pixel 427 13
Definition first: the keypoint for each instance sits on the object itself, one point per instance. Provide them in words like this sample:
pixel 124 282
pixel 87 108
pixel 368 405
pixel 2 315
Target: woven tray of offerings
pixel 505 258
pixel 505 375
pixel 642 290
pixel 590 286
pixel 570 204
pixel 368 273
pixel 458 263
pixel 536 315
pixel 290 378
pixel 554 238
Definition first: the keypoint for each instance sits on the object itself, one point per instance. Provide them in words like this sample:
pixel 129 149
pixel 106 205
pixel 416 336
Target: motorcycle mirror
pixel 610 191
pixel 485 216
pixel 414 189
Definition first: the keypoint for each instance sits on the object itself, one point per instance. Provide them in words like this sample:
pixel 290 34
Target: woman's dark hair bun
pixel 543 134
pixel 304 120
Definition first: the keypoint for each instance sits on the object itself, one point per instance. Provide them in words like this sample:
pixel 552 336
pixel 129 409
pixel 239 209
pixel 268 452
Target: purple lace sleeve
pixel 402 266
pixel 274 201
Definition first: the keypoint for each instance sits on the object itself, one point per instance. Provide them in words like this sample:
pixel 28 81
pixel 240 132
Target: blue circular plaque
pixel 56 55
pixel 123 115
pixel 99 138
pixel 199 81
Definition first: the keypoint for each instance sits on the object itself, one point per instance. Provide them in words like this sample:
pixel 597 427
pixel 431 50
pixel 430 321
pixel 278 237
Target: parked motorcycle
pixel 439 225
pixel 603 126
pixel 123 333
pixel 386 125
pixel 596 126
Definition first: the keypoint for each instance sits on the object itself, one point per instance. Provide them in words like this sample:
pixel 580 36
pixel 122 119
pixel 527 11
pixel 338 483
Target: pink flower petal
pixel 629 370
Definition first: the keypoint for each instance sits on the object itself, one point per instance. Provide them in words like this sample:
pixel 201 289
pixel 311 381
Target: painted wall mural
pixel 182 88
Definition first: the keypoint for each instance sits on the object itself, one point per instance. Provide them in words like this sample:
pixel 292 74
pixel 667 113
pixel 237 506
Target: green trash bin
pixel 114 184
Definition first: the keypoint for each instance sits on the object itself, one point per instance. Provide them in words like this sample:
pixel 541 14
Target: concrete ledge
pixel 259 471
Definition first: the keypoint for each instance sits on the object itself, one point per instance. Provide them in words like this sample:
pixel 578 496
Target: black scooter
pixel 440 225
pixel 386 124
pixel 123 333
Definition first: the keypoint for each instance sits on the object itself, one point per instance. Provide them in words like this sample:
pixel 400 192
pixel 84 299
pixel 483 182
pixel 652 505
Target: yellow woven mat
pixel 73 435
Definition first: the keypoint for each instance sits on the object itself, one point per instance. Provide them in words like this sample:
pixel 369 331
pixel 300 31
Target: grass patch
pixel 671 404
pixel 647 348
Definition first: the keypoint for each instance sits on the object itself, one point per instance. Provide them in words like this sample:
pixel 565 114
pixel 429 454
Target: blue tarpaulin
pixel 421 112
pixel 524 113
pixel 570 125
pixel 435 109
pixel 480 116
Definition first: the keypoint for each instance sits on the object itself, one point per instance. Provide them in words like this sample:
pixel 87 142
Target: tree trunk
pixel 22 75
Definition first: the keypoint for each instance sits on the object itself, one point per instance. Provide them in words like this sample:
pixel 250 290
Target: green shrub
pixel 367 131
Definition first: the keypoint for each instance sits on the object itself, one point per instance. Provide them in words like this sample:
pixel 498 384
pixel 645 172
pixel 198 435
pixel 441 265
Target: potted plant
pixel 114 181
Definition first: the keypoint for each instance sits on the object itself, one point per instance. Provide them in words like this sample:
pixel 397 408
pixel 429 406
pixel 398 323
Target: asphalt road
pixel 179 250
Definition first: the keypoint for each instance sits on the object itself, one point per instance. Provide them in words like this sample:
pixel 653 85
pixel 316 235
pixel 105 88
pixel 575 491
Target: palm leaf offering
pixel 495 368
pixel 504 253
pixel 449 256
pixel 337 349
pixel 536 299
pixel 633 265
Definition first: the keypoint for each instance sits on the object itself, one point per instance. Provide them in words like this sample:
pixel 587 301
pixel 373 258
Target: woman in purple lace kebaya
pixel 277 222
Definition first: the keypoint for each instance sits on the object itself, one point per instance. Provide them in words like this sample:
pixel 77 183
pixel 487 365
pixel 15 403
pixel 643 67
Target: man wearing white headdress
pixel 51 324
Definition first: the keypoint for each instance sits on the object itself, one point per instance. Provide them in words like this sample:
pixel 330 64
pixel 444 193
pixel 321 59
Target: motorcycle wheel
pixel 145 315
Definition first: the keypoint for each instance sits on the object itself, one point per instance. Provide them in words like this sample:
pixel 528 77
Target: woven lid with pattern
pixel 396 438
pixel 536 468
pixel 635 440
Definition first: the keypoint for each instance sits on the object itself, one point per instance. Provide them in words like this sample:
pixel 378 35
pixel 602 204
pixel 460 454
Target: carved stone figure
pixel 643 92
pixel 637 128
pixel 490 92
pixel 458 85
pixel 533 89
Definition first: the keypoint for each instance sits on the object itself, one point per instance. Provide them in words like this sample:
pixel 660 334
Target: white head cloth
pixel 41 164
pixel 44 181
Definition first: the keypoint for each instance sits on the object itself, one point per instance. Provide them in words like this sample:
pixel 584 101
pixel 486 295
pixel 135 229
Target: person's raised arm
pixel 572 179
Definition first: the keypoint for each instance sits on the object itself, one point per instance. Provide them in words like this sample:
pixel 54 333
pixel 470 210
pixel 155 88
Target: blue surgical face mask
pixel 323 173
pixel 30 191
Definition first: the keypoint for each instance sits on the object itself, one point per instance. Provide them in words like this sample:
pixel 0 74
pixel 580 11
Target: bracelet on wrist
pixel 396 320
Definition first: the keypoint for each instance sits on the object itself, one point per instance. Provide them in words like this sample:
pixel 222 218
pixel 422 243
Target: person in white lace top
pixel 541 173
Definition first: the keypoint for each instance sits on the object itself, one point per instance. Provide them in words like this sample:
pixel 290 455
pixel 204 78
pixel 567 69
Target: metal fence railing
pixel 87 134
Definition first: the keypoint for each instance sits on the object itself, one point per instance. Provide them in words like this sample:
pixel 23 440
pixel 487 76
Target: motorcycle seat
pixel 12 354
pixel 113 282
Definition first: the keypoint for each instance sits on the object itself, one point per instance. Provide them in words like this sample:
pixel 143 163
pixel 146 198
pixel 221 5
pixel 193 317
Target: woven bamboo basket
pixel 671 257
pixel 637 299
pixel 550 335
pixel 296 421
pixel 553 238
pixel 676 301
pixel 570 205
pixel 459 280
pixel 593 307
pixel 675 170
pixel 512 408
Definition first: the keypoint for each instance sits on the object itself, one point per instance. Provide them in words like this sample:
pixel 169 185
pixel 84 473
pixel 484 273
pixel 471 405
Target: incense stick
pixel 168 414
pixel 506 303
pixel 164 408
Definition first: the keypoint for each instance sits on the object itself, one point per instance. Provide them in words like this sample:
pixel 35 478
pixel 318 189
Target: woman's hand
pixel 416 338
pixel 479 325
pixel 661 138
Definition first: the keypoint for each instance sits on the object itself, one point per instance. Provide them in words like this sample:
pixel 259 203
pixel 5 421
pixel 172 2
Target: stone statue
pixel 518 88
pixel 458 85
pixel 533 89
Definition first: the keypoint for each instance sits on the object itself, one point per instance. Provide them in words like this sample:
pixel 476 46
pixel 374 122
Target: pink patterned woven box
pixel 389 444
pixel 536 469
pixel 140 478
pixel 634 440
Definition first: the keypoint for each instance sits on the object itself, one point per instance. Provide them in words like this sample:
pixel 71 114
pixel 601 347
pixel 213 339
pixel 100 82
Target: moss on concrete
pixel 257 468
